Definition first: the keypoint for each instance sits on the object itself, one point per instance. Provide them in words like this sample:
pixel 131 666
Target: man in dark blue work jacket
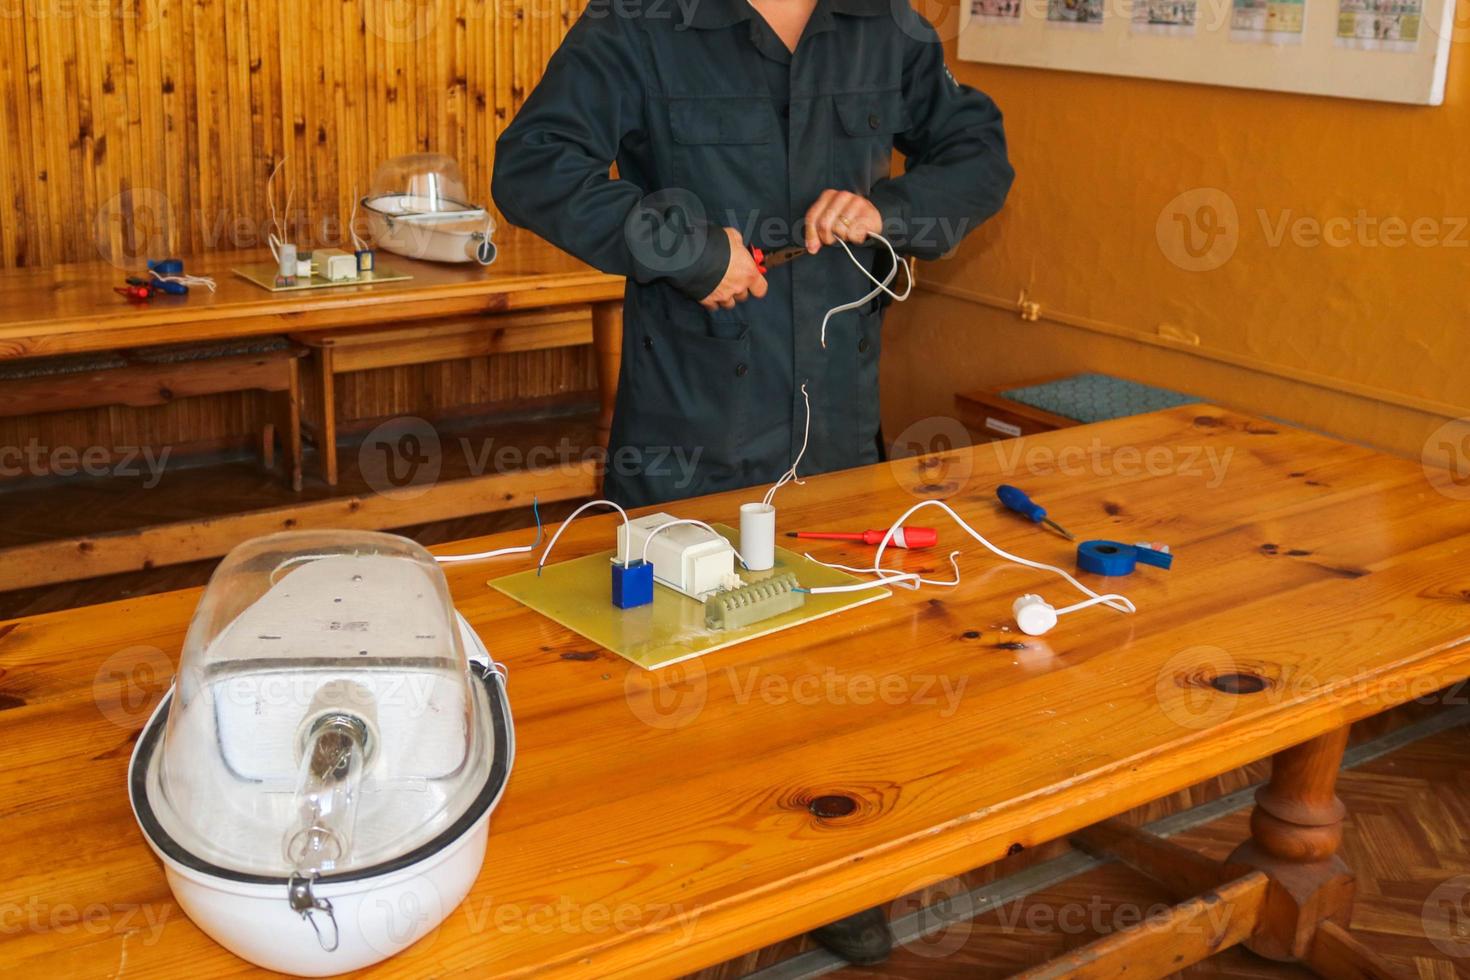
pixel 737 123
pixel 725 136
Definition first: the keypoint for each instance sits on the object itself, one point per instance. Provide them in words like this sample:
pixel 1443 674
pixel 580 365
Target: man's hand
pixel 841 214
pixel 742 280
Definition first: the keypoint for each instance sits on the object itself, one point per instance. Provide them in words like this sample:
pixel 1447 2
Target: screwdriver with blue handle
pixel 1016 500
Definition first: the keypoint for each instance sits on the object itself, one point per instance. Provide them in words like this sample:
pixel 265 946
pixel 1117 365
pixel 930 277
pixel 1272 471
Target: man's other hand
pixel 742 280
pixel 841 214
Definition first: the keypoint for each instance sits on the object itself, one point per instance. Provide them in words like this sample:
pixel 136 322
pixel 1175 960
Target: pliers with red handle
pixel 766 261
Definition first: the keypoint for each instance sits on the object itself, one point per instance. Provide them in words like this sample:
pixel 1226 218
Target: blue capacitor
pixel 1116 558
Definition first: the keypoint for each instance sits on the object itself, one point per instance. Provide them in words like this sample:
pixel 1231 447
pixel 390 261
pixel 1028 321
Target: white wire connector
pixel 573 516
pixel 790 475
pixel 517 550
pixel 879 287
pixel 892 576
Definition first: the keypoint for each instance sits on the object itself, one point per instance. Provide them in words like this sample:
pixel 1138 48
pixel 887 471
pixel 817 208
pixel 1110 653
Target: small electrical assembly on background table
pixel 696 562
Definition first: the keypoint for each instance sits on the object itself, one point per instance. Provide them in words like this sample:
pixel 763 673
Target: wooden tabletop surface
pixel 657 822
pixel 72 308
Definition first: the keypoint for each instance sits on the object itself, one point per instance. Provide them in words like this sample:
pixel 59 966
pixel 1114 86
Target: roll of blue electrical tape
pixel 1106 557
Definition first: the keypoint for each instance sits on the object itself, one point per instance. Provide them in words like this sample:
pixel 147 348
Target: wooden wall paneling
pixel 145 127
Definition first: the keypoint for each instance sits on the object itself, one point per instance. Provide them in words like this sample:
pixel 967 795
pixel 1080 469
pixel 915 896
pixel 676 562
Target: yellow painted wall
pixel 1337 296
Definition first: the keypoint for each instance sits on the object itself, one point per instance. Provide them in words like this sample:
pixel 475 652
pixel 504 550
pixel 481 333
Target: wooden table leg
pixel 322 419
pixel 291 438
pixel 1296 829
pixel 607 341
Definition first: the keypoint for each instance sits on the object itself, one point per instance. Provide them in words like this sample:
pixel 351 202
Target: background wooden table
pixel 72 308
pixel 657 822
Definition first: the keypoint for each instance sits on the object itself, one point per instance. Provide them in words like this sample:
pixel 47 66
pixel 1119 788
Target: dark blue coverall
pixel 712 122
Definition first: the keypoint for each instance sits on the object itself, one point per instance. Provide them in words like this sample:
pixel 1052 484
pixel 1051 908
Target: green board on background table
pixel 576 594
pixel 263 274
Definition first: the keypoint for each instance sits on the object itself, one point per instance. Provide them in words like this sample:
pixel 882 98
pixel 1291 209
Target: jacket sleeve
pixel 956 173
pixel 552 166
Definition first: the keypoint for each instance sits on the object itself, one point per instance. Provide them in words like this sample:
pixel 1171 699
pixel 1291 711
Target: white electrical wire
pixel 185 280
pixel 277 237
pixel 1111 600
pixel 517 550
pixel 591 503
pixel 790 475
pixel 688 520
pixel 352 225
pixel 879 287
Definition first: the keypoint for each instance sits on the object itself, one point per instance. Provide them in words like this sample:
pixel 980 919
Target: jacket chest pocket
pixel 724 147
pixel 867 123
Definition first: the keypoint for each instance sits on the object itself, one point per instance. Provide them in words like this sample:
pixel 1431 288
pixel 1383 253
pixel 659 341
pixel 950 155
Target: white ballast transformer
pixel 685 557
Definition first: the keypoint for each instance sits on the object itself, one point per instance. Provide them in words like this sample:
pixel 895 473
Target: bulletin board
pixel 1384 50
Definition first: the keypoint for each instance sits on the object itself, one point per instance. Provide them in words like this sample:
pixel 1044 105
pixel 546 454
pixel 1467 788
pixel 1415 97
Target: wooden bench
pixel 345 350
pixel 160 375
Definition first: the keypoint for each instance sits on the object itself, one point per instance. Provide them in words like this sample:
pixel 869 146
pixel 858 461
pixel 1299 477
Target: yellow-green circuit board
pixel 263 274
pixel 577 594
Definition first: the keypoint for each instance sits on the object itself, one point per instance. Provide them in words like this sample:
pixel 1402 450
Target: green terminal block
pixel 752 603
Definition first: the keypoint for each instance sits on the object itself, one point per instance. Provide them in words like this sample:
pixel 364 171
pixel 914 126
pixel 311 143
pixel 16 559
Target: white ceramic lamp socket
pixel 1033 614
pixel 758 536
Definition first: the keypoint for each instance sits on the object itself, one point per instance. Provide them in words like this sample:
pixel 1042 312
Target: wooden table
pixel 73 309
pixel 659 822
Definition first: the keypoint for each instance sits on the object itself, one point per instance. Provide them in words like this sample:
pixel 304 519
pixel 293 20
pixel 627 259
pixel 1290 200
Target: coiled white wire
pixel 893 576
pixel 879 287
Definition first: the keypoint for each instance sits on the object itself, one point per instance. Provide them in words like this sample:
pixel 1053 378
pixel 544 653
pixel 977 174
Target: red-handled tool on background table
pixel 766 261
pixel 904 537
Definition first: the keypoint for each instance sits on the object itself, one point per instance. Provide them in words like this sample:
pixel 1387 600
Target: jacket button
pixel 648 343
pixel 873 121
pixel 863 346
pixel 740 370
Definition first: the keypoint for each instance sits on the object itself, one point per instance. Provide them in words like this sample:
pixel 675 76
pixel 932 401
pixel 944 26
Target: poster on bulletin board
pixel 1383 50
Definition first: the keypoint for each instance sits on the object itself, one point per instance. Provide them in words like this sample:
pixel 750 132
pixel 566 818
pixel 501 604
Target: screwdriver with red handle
pixel 904 537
